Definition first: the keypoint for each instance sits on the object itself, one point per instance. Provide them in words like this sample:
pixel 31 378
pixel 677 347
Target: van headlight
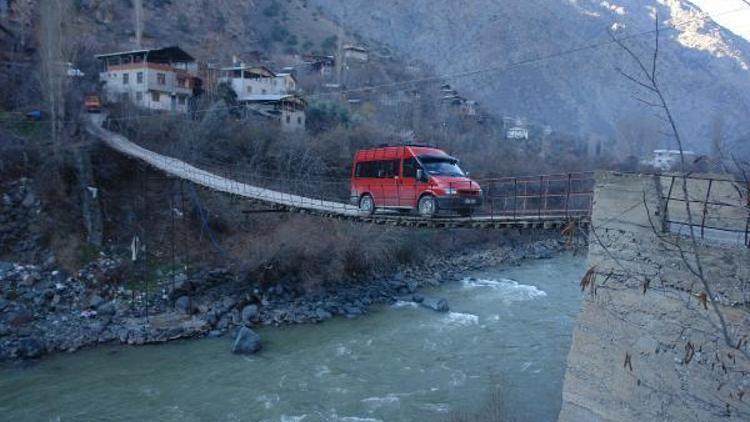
pixel 450 191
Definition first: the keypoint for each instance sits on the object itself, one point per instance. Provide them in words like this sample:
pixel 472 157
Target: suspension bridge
pixel 549 201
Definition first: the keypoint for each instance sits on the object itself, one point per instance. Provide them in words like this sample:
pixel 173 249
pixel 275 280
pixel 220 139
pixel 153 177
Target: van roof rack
pixel 405 145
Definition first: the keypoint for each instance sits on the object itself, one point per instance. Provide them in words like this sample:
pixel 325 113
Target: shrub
pixel 329 44
pixel 272 9
pixel 279 33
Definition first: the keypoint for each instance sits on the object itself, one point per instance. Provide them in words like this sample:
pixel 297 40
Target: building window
pixel 139 77
pixel 299 120
pixel 288 119
pixel 249 90
pixel 161 78
pixel 125 78
pixel 264 92
pixel 139 96
pixel 181 100
pixel 155 96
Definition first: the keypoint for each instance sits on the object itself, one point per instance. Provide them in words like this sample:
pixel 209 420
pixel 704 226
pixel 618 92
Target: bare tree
pixel 54 51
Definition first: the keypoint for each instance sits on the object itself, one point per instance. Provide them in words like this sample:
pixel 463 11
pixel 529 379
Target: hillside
pixel 704 68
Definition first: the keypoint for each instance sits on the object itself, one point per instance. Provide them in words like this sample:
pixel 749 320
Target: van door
pixel 409 185
pixel 388 180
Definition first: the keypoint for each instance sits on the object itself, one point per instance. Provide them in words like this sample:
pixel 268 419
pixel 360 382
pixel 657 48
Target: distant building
pixel 469 108
pixel 356 52
pixel 322 65
pixel 267 94
pixel 288 110
pixel 669 159
pixel 251 80
pixel 157 79
pixel 517 133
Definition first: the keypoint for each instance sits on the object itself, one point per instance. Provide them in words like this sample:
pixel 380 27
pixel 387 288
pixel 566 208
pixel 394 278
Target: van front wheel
pixel 367 204
pixel 427 206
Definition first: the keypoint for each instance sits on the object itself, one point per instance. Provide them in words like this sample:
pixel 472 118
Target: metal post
pixel 489 198
pixel 665 213
pixel 515 196
pixel 567 194
pixel 174 236
pixel 144 237
pixel 705 207
pixel 541 189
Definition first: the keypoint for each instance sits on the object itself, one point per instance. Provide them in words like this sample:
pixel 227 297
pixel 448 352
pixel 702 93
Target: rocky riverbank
pixel 43 310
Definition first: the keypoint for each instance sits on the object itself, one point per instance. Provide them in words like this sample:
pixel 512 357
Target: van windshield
pixel 439 166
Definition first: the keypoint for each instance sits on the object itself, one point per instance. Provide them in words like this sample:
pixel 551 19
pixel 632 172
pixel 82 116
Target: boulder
pixel 352 310
pixel 95 301
pixel 322 314
pixel 249 313
pixel 5 267
pixel 435 303
pixel 108 308
pixel 247 342
pixel 19 316
pixel 184 304
pixel 28 200
pixel 31 347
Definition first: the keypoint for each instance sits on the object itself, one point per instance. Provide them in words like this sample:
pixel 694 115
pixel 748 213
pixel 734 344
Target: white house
pixel 250 81
pixel 158 79
pixel 668 159
pixel 517 132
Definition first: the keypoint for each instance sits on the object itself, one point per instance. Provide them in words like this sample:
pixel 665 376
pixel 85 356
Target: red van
pixel 412 177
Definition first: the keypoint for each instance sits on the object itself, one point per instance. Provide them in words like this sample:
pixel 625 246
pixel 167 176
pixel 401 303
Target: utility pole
pixel 340 61
pixel 138 7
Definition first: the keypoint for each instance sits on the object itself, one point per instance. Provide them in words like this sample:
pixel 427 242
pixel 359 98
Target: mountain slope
pixel 703 68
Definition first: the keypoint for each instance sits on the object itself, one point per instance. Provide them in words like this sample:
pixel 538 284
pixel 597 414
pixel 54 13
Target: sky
pixel 737 22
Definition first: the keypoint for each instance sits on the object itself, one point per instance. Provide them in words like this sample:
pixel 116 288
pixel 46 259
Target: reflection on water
pixel 401 362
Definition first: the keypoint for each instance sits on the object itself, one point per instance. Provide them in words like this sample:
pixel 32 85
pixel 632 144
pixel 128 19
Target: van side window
pixel 410 167
pixel 388 169
pixel 377 169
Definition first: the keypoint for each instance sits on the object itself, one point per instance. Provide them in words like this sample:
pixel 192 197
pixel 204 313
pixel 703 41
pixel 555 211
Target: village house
pixel 669 159
pixel 515 128
pixel 265 93
pixel 157 79
pixel 288 110
pixel 322 65
pixel 356 52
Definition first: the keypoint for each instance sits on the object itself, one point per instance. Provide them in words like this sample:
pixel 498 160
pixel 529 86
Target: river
pixel 510 327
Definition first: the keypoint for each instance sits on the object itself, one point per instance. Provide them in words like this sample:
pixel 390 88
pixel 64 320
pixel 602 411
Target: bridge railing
pixel 557 195
pixel 720 207
pixel 567 195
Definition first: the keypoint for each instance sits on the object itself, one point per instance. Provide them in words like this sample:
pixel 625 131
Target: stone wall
pixel 646 345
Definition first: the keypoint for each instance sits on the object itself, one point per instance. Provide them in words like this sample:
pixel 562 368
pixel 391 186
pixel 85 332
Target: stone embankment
pixel 43 310
pixel 649 344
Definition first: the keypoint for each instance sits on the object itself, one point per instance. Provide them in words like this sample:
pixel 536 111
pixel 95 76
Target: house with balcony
pixel 287 110
pixel 266 93
pixel 157 79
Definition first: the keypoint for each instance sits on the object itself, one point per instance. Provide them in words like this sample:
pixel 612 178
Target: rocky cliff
pixel 704 68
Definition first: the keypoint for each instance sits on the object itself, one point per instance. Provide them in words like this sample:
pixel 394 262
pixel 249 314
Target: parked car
pixel 412 178
pixel 93 104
